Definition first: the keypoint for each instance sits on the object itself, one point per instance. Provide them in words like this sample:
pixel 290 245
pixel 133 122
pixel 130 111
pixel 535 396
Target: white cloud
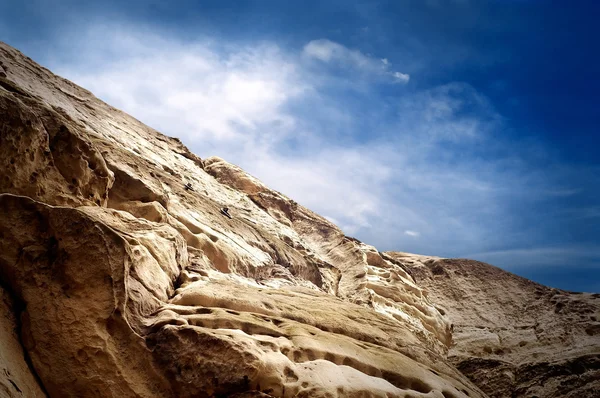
pixel 196 92
pixel 325 50
pixel 328 51
pixel 401 77
pixel 266 109
pixel 232 102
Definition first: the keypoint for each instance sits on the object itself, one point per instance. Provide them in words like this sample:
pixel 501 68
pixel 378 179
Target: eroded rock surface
pixel 134 283
pixel 16 379
pixel 124 278
pixel 513 337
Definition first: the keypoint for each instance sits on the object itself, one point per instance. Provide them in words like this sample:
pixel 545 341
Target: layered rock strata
pixel 131 282
pixel 121 276
pixel 513 337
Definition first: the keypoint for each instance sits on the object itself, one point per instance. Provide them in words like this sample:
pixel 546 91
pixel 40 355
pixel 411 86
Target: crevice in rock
pixel 396 379
pixel 128 188
pixel 16 387
pixel 398 263
pixel 337 283
pixel 12 87
pixel 18 307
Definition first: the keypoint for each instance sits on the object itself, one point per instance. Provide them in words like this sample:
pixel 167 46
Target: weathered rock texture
pixel 121 277
pixel 513 337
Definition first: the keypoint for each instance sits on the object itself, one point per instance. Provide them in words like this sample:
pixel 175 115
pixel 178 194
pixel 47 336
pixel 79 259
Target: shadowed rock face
pixel 121 277
pixel 511 336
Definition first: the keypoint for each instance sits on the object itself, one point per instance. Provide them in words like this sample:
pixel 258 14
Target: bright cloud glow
pixel 194 91
pixel 430 163
pixel 328 51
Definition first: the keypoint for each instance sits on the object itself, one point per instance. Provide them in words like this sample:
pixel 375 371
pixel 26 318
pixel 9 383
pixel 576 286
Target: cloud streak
pixel 431 162
pixel 556 256
pixel 331 52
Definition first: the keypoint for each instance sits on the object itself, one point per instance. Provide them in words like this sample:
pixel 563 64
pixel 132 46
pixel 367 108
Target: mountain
pixel 511 336
pixel 130 267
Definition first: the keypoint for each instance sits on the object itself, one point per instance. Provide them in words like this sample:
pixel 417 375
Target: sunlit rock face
pixel 511 336
pixel 122 276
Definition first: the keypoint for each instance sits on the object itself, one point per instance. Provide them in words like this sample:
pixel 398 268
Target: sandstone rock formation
pixel 513 337
pixel 121 277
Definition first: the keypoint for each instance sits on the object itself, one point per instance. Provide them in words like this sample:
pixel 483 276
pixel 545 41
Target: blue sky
pixel 456 128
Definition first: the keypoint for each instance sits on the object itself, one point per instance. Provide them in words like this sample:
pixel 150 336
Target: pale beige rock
pixel 16 378
pixel 84 286
pixel 514 337
pixel 134 284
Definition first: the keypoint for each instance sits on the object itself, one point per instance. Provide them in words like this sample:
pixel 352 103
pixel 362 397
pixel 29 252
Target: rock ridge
pixel 131 282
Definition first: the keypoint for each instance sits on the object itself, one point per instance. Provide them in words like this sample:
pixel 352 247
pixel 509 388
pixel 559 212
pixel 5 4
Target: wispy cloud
pixel 580 213
pixel 234 102
pixel 193 91
pixel 553 256
pixel 401 77
pixel 431 162
pixel 331 52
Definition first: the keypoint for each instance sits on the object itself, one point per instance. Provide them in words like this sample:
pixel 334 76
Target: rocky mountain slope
pixel 512 336
pixel 121 276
